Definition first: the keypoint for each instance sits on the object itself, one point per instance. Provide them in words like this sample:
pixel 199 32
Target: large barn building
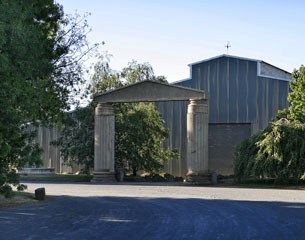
pixel 244 95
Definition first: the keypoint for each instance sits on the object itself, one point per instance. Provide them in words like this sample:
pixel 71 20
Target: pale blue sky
pixel 171 34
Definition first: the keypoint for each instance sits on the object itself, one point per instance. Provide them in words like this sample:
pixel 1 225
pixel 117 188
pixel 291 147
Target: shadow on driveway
pixel 67 217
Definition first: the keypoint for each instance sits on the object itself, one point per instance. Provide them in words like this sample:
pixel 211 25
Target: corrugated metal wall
pixel 50 154
pixel 236 95
pixel 174 114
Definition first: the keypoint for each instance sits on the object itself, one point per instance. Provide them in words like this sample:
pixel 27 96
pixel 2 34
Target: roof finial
pixel 228 46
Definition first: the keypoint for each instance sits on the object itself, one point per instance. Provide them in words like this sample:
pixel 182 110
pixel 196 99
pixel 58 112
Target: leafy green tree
pixel 41 54
pixel 245 156
pixel 137 72
pixel 281 152
pixel 139 126
pixel 278 152
pixel 139 134
pixel 76 140
pixel 296 97
pixel 104 78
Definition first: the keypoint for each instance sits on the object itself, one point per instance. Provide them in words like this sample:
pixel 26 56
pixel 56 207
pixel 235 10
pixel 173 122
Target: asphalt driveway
pixel 145 211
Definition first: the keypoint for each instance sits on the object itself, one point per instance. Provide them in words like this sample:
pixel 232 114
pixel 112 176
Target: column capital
pixel 198 101
pixel 198 106
pixel 104 109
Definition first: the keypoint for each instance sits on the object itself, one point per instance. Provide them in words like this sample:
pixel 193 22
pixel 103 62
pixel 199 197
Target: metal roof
pixel 224 55
pixel 236 57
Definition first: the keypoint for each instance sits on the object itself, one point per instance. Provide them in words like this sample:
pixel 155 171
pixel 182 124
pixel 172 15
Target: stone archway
pixel 151 91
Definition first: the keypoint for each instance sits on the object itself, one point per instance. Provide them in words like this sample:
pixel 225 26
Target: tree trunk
pixel 134 172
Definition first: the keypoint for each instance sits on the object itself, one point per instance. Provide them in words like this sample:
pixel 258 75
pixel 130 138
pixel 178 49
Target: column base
pixel 103 177
pixel 201 178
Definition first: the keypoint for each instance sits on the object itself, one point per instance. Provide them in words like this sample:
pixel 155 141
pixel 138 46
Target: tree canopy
pixel 296 96
pixel 76 138
pixel 41 52
pixel 139 127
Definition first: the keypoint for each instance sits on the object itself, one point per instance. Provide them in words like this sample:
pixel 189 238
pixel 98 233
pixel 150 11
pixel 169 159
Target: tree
pixel 137 72
pixel 278 152
pixel 296 97
pixel 139 130
pixel 245 156
pixel 104 78
pixel 41 53
pixel 76 139
pixel 139 134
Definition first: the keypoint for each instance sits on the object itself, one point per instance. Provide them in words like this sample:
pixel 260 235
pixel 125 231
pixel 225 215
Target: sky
pixel 170 34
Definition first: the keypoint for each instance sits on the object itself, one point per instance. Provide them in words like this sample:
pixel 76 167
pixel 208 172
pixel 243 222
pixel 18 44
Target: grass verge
pixel 18 198
pixel 57 178
pixel 270 183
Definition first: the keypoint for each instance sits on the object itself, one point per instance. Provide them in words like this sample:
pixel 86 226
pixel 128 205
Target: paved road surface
pixel 146 211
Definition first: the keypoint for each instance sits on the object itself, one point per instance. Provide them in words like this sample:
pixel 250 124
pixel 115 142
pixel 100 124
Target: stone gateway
pixel 151 91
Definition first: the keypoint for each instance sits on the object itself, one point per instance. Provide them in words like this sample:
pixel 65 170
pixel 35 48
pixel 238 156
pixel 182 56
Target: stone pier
pixel 197 141
pixel 104 143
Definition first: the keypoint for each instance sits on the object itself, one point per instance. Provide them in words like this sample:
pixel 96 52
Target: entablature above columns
pixel 150 91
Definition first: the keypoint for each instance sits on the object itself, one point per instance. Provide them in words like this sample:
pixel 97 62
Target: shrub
pixel 278 152
pixel 245 156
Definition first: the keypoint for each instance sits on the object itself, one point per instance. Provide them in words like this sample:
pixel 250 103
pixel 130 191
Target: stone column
pixel 197 141
pixel 103 143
